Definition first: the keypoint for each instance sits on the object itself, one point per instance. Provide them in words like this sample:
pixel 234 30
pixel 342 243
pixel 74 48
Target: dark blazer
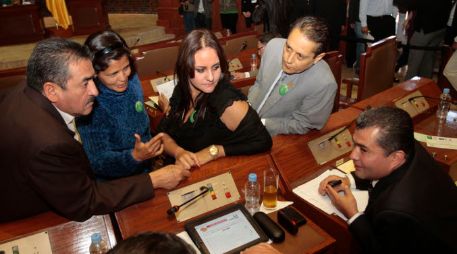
pixel 247 6
pixel 413 210
pixel 43 168
pixel 431 16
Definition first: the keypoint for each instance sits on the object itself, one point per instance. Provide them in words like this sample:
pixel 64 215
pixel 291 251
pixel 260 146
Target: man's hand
pixel 365 29
pixel 324 183
pixel 143 151
pixel 346 203
pixel 168 177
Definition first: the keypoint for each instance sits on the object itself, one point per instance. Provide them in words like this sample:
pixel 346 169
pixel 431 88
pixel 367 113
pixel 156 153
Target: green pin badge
pixel 139 106
pixel 283 89
pixel 192 116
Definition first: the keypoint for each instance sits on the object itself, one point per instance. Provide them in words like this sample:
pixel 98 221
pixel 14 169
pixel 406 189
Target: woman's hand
pixel 186 159
pixel 143 151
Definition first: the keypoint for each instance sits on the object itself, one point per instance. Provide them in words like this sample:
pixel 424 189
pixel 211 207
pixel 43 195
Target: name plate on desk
pixel 413 103
pixel 222 191
pixel 331 145
pixel 235 65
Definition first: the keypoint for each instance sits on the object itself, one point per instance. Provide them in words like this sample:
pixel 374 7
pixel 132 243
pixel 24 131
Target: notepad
pixel 309 192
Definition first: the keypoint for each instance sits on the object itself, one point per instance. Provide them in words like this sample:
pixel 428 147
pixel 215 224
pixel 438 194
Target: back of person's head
pixel 315 29
pixel 106 46
pixel 152 243
pixel 50 62
pixel 395 125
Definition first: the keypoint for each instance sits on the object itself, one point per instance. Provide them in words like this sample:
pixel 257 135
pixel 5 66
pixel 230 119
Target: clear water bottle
pixel 252 194
pixel 98 245
pixel 253 62
pixel 444 105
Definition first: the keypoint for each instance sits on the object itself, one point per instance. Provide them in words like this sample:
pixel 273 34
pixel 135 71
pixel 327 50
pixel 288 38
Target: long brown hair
pixel 185 70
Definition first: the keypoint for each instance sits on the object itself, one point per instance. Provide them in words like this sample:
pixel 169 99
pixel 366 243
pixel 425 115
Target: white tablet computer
pixel 227 231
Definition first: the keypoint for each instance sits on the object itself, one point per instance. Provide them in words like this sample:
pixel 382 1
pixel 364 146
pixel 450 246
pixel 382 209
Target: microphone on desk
pixel 345 127
pixel 244 45
pixel 176 208
pixel 136 42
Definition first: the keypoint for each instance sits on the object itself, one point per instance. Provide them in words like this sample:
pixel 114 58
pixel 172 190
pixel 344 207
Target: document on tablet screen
pixel 227 232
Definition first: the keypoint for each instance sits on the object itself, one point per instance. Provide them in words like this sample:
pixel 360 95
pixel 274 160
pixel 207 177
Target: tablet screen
pixel 230 230
pixel 227 232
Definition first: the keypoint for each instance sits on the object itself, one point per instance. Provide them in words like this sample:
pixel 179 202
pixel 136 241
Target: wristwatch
pixel 213 151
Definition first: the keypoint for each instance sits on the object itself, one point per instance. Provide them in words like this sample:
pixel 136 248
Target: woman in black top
pixel 208 117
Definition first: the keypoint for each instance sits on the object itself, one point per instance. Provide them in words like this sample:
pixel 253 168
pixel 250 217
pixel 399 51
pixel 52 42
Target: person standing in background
pixel 335 17
pixel 354 22
pixel 203 13
pixel 187 11
pixel 247 8
pixel 429 31
pixel 229 14
pixel 451 30
pixel 377 17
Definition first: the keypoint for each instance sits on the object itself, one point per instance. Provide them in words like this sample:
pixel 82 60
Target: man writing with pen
pixel 412 205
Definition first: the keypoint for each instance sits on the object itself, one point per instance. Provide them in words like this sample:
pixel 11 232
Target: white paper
pixel 309 192
pixel 166 88
pixel 37 243
pixel 279 205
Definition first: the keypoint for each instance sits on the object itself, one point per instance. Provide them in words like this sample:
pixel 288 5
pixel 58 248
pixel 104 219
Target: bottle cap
pixel 252 177
pixel 96 237
pixel 446 90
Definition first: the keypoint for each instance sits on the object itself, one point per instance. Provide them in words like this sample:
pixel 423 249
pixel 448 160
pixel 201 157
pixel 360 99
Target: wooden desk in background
pixel 65 236
pixel 426 122
pixel 152 215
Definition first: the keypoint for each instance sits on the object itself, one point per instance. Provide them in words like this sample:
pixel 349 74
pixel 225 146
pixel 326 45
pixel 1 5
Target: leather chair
pixel 335 60
pixel 156 61
pixel 377 70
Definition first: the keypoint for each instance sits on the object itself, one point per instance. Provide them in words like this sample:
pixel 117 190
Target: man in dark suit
pixel 412 206
pixel 42 165
pixel 247 8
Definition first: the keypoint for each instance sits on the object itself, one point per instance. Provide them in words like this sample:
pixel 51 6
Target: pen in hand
pixel 334 183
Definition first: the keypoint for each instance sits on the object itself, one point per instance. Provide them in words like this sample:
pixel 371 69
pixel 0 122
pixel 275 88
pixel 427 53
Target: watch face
pixel 213 150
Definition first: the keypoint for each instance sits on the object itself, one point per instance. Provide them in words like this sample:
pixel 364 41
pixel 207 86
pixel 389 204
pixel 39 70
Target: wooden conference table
pixel 151 214
pixel 290 155
pixel 64 236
